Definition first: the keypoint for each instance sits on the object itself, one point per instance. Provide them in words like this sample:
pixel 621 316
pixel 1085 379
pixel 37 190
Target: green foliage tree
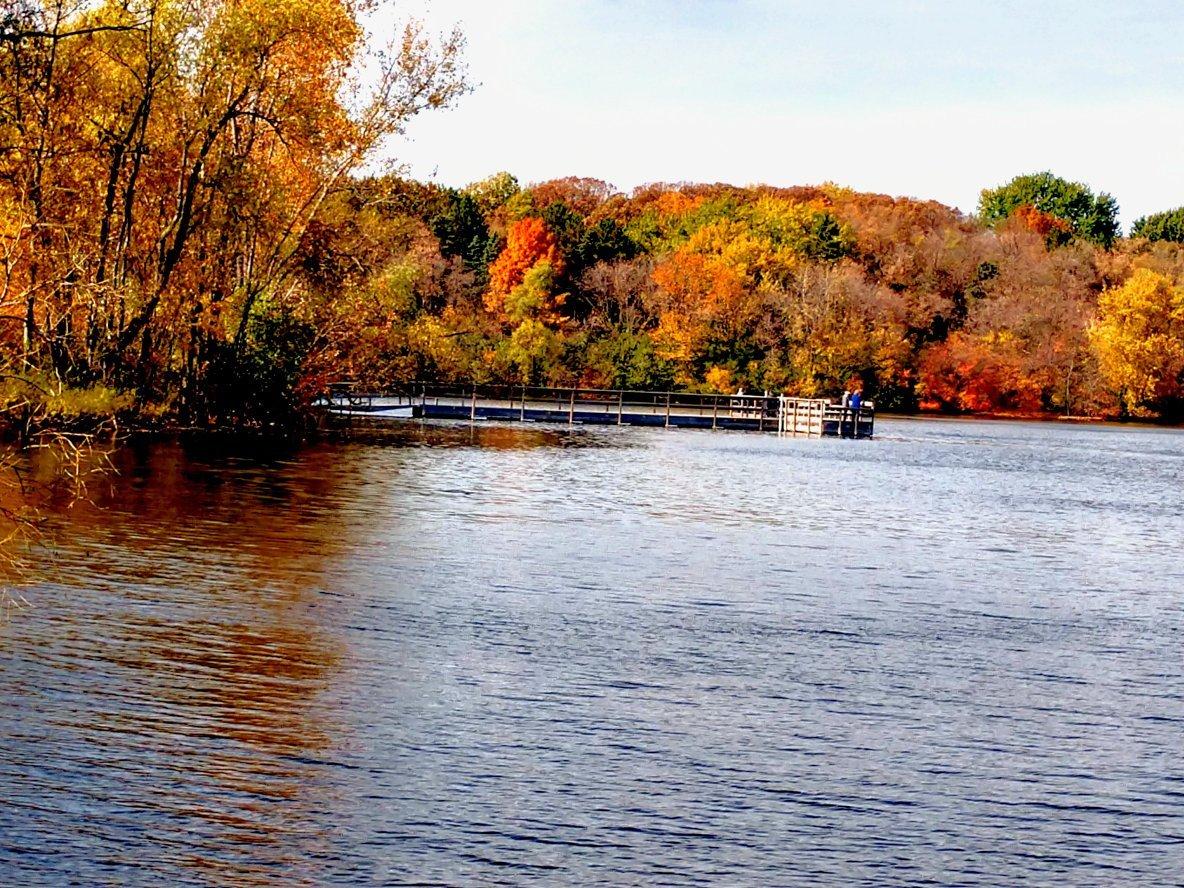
pixel 568 228
pixel 533 298
pixel 462 231
pixel 1090 217
pixel 533 349
pixel 606 241
pixel 1165 226
pixel 628 360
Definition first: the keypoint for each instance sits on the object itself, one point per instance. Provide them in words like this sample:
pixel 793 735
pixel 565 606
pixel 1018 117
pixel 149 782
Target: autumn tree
pixel 529 243
pixel 1139 341
pixel 618 294
pixel 704 314
pixel 1089 216
pixel 581 195
pixel 1031 317
pixel 1055 231
pixel 981 373
pixel 829 322
pixel 167 158
pixel 493 191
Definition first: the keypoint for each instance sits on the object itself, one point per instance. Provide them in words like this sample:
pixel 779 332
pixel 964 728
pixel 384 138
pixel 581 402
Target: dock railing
pixel 802 416
pixel 613 403
pixel 847 423
pixel 349 395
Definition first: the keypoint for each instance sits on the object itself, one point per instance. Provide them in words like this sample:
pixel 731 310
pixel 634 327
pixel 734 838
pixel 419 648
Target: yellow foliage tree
pixel 1138 339
pixel 719 379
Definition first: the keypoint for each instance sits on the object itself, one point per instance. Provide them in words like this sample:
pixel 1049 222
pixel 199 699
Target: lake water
pixel 531 655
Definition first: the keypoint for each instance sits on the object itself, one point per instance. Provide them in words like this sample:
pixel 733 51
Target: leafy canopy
pixel 1139 340
pixel 1089 216
pixel 1165 226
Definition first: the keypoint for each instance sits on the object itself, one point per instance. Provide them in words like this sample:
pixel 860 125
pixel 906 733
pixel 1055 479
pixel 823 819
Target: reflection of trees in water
pixel 51 468
pixel 231 724
pixel 202 617
pixel 189 619
pixel 489 435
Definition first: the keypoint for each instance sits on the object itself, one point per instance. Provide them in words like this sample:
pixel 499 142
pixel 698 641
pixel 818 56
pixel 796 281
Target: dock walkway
pixel 810 417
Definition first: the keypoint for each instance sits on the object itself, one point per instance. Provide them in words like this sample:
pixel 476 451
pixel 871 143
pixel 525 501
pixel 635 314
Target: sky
pixel 927 99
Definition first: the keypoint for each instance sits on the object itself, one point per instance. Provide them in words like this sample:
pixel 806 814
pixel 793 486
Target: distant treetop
pixel 493 191
pixel 1087 216
pixel 1165 226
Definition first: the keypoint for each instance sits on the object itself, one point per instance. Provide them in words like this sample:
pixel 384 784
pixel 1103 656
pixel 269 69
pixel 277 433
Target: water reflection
pixel 181 629
pixel 490 435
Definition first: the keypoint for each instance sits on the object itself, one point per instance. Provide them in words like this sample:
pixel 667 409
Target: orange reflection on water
pixel 189 588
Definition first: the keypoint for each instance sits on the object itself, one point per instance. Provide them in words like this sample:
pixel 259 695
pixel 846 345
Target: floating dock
pixel 806 417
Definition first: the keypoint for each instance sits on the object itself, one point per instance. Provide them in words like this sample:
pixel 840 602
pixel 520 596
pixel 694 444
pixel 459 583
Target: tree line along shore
pixel 187 236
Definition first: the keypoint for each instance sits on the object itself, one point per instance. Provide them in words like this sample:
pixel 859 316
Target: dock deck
pixel 809 417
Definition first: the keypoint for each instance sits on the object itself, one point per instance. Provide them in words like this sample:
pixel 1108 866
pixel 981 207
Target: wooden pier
pixel 808 417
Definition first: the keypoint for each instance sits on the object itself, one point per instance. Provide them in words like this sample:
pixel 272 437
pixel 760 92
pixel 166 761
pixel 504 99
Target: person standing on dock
pixel 855 402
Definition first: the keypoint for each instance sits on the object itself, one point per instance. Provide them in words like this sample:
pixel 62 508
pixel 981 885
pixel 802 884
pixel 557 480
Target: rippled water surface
pixel 609 656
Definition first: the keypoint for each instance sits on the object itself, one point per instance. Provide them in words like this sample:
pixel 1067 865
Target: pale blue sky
pixel 913 97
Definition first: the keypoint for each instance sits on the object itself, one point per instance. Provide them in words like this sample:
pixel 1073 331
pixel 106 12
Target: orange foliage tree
pixel 528 243
pixel 698 300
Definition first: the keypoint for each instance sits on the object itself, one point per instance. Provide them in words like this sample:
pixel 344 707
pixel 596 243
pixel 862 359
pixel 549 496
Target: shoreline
pixel 113 430
pixel 1048 418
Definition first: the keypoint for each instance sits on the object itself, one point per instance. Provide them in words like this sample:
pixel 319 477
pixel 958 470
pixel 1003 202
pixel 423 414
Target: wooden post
pixel 473 406
pixel 714 411
pixel 760 414
pixel 571 408
pixel 620 405
pixel 668 410
pixel 522 416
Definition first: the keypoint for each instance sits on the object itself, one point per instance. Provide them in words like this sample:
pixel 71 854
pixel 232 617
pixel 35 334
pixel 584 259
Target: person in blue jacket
pixel 855 403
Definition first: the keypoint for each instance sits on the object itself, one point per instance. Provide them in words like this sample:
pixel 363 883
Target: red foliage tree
pixel 978 374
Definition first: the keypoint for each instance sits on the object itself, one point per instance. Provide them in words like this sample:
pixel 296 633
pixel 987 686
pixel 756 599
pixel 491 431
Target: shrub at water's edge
pixel 35 401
